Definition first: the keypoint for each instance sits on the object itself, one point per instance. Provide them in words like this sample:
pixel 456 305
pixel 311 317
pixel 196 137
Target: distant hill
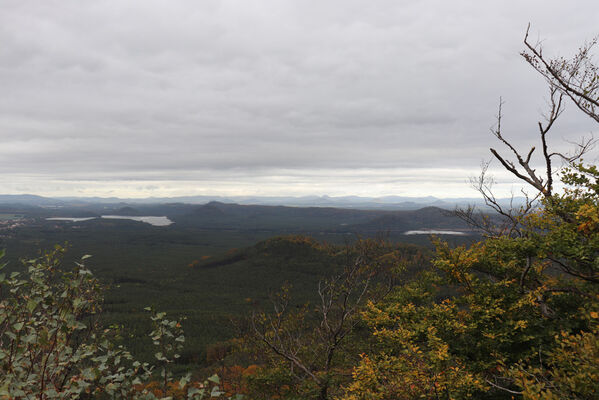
pixel 351 202
pixel 431 218
pixel 310 220
pixel 29 200
pixel 128 211
pixel 222 216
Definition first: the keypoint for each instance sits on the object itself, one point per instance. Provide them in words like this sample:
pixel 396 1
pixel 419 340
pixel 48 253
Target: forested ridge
pixel 514 315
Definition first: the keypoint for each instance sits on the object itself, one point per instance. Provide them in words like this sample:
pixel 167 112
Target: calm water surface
pixel 156 221
pixel 434 232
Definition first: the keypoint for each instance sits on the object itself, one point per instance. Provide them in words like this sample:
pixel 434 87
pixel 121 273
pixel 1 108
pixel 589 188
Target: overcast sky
pixel 338 97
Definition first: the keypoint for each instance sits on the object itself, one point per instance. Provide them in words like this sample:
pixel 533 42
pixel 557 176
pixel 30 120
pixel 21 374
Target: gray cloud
pixel 186 96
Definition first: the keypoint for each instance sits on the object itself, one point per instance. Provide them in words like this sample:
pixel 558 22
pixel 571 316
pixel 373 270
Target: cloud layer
pixel 145 98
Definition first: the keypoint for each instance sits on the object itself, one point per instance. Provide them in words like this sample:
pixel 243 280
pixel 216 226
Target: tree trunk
pixel 324 388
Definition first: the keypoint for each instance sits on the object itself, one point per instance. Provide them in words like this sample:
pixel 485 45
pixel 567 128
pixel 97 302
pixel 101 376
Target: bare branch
pixel 510 216
pixel 309 346
pixel 531 178
pixel 503 388
pixel 580 148
pixel 576 78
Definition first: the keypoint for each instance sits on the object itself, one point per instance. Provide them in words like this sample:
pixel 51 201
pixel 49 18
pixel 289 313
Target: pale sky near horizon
pixel 300 97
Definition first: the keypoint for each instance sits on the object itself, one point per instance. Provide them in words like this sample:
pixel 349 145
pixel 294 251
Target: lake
pixel 434 232
pixel 69 219
pixel 155 221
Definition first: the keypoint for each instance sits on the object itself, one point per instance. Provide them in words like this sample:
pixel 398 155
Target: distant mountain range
pixel 352 202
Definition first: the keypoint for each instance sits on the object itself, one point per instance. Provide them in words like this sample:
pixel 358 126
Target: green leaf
pixel 30 338
pixel 193 391
pixel 184 380
pixel 88 373
pixel 216 392
pixel 31 304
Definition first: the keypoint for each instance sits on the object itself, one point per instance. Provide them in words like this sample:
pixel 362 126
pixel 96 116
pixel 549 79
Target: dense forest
pixel 510 313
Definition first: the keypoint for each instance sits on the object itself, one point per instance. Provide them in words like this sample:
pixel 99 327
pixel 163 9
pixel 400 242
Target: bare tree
pixel 576 79
pixel 309 340
pixel 508 220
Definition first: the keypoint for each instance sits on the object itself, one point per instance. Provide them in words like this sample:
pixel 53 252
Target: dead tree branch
pixel 576 78
pixel 309 338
